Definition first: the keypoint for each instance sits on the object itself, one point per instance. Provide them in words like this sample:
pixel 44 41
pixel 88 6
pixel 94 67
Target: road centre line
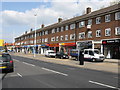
pixel 19 74
pixel 54 71
pixel 28 64
pixel 103 84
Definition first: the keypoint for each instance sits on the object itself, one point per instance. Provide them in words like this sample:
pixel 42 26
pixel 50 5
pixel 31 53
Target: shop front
pixel 53 46
pixel 111 48
pixel 66 47
pixel 43 48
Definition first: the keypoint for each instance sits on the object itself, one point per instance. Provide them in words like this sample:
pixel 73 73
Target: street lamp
pixel 35 35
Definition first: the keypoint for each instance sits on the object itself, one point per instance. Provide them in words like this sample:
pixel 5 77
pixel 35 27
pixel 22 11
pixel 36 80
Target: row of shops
pixel 110 48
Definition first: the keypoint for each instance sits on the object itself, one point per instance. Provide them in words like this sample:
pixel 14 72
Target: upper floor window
pixel 43 40
pixel 72 36
pixel 53 39
pixel 82 35
pixel 46 39
pixel 90 34
pixel 82 24
pixel 43 33
pixel 107 32
pixel 117 30
pixel 72 26
pixel 57 30
pixel 66 37
pixel 98 33
pixel 40 33
pixel 53 30
pixel 62 28
pixel 98 20
pixel 46 32
pixel 66 27
pixel 57 38
pixel 90 22
pixel 61 38
pixel 107 18
pixel 117 16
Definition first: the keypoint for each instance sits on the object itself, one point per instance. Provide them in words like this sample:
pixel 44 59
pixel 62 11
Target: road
pixel 31 73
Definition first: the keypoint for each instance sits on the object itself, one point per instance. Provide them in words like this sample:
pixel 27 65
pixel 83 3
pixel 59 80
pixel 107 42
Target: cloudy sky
pixel 17 16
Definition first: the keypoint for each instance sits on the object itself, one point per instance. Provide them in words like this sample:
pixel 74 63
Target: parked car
pixel 61 55
pixel 6 63
pixel 50 53
pixel 93 55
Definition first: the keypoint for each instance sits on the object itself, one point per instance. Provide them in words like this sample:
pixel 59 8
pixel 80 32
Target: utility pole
pixel 35 35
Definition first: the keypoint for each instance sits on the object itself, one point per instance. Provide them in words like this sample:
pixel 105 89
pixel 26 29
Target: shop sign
pixel 82 45
pixel 111 41
pixel 67 44
pixel 53 45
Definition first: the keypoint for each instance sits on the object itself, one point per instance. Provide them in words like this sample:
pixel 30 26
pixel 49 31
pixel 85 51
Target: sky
pixel 17 16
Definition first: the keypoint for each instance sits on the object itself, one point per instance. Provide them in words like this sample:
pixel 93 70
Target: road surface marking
pixel 16 60
pixel 28 64
pixel 54 71
pixel 102 84
pixel 13 75
pixel 19 74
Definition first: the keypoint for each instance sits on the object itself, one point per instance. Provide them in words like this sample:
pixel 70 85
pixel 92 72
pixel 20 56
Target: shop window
pixel 57 38
pixel 90 34
pixel 107 18
pixel 98 20
pixel 82 24
pixel 72 36
pixel 72 26
pixel 117 16
pixel 66 37
pixel 98 33
pixel 82 35
pixel 117 30
pixel 61 38
pixel 107 32
pixel 66 27
pixel 90 22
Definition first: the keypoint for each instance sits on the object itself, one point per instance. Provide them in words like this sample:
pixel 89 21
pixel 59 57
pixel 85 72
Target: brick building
pixel 99 29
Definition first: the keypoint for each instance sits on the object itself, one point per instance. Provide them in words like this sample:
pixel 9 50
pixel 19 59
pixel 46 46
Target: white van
pixel 50 53
pixel 93 55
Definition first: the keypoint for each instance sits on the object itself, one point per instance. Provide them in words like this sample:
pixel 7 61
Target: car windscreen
pixel 6 57
pixel 97 52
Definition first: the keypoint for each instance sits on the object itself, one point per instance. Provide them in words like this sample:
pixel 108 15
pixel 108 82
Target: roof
pixel 99 12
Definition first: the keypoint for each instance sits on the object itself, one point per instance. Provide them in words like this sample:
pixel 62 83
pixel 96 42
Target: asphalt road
pixel 30 73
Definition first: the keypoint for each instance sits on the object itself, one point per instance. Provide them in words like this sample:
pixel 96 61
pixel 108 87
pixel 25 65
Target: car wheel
pixel 61 57
pixel 93 60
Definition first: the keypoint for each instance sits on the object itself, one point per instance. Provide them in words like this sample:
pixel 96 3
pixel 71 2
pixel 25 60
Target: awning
pixel 53 45
pixel 68 44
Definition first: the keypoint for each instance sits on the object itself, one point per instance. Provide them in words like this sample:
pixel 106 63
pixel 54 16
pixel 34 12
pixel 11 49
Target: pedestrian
pixel 81 58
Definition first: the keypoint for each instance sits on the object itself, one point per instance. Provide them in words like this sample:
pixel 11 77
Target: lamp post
pixel 35 35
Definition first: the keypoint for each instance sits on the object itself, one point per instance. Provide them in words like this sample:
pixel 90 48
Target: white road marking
pixel 102 84
pixel 54 71
pixel 28 64
pixel 13 75
pixel 16 60
pixel 19 74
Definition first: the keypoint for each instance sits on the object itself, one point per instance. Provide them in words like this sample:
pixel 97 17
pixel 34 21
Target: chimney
pixel 88 10
pixel 31 30
pixel 59 20
pixel 25 32
pixel 42 26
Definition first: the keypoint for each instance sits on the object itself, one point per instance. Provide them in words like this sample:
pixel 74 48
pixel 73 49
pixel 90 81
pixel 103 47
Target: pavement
pixel 109 65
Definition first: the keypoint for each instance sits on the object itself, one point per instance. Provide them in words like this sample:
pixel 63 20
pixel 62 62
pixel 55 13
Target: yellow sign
pixel 1 42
